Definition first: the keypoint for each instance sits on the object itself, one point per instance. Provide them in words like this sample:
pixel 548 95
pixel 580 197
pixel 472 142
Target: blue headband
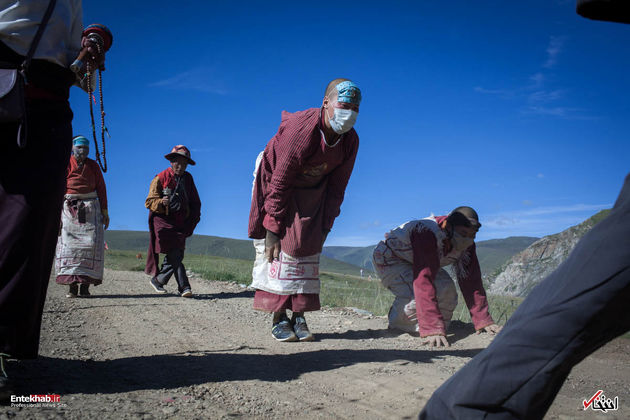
pixel 80 141
pixel 348 92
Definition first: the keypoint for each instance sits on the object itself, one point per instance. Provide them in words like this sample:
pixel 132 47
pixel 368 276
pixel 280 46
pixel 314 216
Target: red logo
pixel 273 270
pixel 599 402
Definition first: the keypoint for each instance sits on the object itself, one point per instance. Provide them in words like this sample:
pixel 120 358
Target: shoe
pixel 73 290
pixel 84 290
pixel 187 293
pixel 157 286
pixel 301 329
pixel 282 330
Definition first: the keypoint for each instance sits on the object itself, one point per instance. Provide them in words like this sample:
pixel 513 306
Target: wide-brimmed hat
pixel 180 150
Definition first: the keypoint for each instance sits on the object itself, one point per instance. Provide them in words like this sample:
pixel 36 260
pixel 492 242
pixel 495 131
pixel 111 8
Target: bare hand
pixel 95 54
pixel 165 201
pixel 105 219
pixel 436 341
pixel 272 246
pixel 492 329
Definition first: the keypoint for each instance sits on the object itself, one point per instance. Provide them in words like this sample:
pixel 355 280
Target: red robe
pixel 170 231
pixel 426 263
pixel 85 179
pixel 301 183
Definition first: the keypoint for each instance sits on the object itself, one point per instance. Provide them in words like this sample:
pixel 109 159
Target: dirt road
pixel 128 353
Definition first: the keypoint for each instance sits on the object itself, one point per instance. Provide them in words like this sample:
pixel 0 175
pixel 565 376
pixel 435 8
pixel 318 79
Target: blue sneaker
pixel 282 330
pixel 301 329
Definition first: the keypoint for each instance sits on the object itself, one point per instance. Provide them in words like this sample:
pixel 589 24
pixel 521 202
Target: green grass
pixel 124 260
pixel 138 241
pixel 501 308
pixel 338 290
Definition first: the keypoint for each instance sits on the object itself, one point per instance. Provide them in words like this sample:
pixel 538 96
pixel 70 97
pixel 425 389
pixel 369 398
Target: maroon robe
pixel 168 232
pixel 301 183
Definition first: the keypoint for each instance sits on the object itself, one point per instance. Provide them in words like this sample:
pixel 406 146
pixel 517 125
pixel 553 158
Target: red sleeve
pixel 338 181
pixel 292 146
pixel 101 191
pixel 426 264
pixel 472 290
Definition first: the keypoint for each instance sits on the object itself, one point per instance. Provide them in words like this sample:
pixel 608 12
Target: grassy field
pixel 138 241
pixel 338 290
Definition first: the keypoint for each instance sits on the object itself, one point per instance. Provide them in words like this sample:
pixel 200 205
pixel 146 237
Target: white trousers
pixel 398 278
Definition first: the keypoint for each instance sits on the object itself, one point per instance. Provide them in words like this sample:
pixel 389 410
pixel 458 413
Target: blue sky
pixel 518 109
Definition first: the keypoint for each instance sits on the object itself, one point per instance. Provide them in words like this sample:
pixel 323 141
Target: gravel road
pixel 128 353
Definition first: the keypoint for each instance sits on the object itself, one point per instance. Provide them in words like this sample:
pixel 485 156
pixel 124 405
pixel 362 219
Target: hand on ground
pixel 492 329
pixel 436 341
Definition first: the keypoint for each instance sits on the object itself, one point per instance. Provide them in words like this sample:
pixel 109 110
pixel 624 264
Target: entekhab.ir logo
pixel 599 402
pixel 47 400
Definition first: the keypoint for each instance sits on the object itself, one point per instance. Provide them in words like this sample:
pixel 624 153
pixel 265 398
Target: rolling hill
pixel 527 268
pixel 492 254
pixel 126 240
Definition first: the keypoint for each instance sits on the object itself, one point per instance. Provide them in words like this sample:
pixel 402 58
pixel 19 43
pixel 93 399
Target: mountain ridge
pixel 529 267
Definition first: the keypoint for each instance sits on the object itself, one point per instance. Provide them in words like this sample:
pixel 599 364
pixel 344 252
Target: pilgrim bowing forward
pixel 408 262
pixel 300 181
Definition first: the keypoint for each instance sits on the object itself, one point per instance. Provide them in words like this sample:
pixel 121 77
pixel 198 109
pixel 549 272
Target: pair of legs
pixel 295 329
pixel 32 184
pixel 173 265
pixel 398 278
pixel 283 328
pixel 79 287
pixel 267 276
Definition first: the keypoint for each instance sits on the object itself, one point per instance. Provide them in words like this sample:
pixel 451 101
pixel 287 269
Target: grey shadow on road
pixel 49 375
pixel 202 296
pixel 457 331
pixel 225 295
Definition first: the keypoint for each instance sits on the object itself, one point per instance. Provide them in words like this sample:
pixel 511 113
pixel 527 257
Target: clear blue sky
pixel 518 109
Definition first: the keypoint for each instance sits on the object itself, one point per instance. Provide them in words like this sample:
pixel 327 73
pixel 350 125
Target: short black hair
pixel 464 216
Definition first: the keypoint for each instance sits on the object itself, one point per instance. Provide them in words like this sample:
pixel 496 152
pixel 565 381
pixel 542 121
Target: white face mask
pixel 343 120
pixel 461 243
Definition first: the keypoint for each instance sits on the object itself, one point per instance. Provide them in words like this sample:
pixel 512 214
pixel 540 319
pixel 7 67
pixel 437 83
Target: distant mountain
pixel 492 254
pixel 355 255
pixel 339 259
pixel 127 240
pixel 527 268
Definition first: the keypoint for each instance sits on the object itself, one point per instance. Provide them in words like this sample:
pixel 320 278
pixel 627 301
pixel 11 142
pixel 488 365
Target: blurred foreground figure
pixel 409 263
pixel 608 10
pixel 32 173
pixel 574 311
pixel 300 182
pixel 174 211
pixel 84 218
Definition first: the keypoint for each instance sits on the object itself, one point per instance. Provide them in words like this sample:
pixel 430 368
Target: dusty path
pixel 130 353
